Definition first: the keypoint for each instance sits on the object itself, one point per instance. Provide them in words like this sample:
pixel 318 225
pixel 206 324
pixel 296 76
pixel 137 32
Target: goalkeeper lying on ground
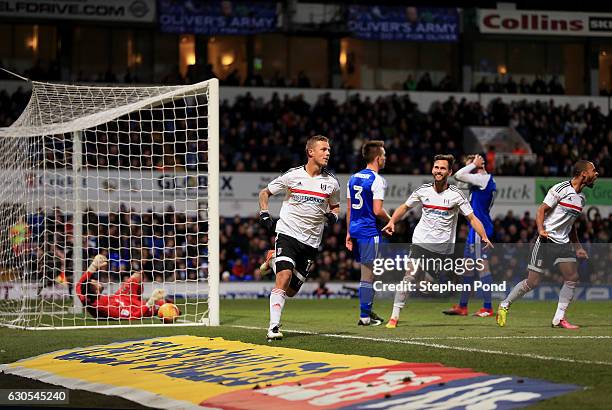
pixel 125 303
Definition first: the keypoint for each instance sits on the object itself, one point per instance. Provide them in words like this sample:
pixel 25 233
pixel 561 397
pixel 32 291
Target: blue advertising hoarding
pixel 404 23
pixel 217 17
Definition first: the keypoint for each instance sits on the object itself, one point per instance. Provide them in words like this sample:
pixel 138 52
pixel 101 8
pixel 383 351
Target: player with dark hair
pixel 557 242
pixel 312 199
pixel 482 194
pixel 434 235
pixel 125 303
pixel 365 195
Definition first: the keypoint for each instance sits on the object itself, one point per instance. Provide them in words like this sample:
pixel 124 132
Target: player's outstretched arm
pixel 401 210
pixel 477 225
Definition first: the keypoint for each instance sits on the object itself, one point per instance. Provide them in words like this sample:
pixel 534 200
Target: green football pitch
pixel 526 347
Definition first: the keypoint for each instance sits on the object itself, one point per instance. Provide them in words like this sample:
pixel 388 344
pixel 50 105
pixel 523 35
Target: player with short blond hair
pixel 312 199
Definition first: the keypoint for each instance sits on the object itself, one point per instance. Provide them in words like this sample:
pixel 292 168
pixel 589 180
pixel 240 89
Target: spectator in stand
pixel 497 87
pixel 410 83
pixel 446 84
pixel 209 72
pixel 425 83
pixel 490 159
pixel 303 81
pixel 278 80
pixel 519 150
pixel 554 86
pixel 233 79
pixel 524 87
pixel 254 80
pixel 511 87
pixel 538 86
pixel 483 86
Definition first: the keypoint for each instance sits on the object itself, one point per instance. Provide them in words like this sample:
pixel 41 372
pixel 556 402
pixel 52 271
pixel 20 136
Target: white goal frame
pixel 24 130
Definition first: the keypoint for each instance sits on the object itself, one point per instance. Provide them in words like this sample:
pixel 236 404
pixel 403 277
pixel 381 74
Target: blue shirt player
pixel 365 196
pixel 482 194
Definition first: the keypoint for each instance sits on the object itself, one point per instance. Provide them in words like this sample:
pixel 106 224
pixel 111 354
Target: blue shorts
pixel 365 250
pixel 476 249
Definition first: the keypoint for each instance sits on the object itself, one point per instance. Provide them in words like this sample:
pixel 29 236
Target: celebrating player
pixel 482 193
pixel 557 243
pixel 365 196
pixel 434 235
pixel 125 303
pixel 312 199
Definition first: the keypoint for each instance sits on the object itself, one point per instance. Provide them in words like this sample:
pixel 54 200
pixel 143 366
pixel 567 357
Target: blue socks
pixel 465 294
pixel 366 298
pixel 485 278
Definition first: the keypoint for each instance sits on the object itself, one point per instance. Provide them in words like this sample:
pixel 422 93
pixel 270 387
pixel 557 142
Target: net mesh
pixel 117 171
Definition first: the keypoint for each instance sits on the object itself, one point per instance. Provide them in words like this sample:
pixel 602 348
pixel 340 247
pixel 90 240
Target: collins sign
pixel 550 23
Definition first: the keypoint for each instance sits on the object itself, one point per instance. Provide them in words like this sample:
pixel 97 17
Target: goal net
pixel 130 173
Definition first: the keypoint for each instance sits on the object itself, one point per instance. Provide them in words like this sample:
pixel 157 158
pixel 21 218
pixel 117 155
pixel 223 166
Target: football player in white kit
pixel 557 243
pixel 312 199
pixel 434 235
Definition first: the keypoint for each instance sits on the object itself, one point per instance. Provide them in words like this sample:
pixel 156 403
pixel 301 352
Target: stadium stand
pixel 274 132
pixel 132 239
pixel 267 136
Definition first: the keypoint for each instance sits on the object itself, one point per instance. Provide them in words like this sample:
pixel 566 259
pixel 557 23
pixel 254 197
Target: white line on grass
pixel 507 337
pixel 416 342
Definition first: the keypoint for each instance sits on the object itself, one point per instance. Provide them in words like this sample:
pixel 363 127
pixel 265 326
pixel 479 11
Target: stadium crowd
pixel 171 246
pixel 243 242
pixel 165 246
pixel 268 136
pixel 509 86
pixel 274 133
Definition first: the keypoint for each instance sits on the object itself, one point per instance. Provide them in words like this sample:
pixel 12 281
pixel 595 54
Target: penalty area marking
pixel 417 342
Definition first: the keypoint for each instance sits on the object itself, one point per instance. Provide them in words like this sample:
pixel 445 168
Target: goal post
pixel 131 173
pixel 213 206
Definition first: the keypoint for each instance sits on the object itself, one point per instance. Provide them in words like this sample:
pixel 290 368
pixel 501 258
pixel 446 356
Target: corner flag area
pixel 325 361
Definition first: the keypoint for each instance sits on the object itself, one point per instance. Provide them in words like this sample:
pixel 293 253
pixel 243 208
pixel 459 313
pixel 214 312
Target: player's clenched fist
pixel 331 218
pixel 266 221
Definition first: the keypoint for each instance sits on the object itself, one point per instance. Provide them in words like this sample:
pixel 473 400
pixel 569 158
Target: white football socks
pixel 399 301
pixel 517 292
pixel 277 302
pixel 566 295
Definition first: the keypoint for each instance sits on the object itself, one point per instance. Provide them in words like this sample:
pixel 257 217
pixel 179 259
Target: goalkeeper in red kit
pixel 125 303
